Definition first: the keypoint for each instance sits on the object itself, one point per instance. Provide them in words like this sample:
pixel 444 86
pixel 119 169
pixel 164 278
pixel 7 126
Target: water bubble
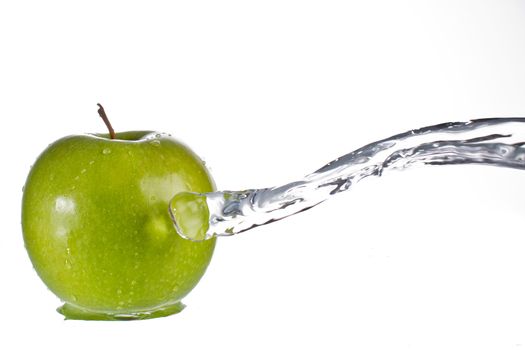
pixel 83 171
pixel 106 151
pixel 155 143
pixel 503 150
pixel 91 162
pixel 133 282
pixel 68 264
pixel 76 178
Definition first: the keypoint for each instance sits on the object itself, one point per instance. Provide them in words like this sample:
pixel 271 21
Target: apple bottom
pixel 73 312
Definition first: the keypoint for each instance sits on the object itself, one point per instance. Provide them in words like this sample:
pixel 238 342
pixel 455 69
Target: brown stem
pixel 104 117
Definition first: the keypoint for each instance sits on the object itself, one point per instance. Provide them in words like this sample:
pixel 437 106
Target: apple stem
pixel 104 117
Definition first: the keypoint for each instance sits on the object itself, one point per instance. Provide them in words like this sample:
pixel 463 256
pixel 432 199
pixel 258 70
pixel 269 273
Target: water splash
pixel 496 141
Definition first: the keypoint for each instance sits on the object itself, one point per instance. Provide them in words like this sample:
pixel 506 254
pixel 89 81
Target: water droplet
pixel 133 282
pixel 76 178
pixel 119 291
pixel 74 297
pixel 91 162
pixel 68 264
pixel 121 303
pixel 155 143
pixel 23 188
pixel 82 171
pixel 106 151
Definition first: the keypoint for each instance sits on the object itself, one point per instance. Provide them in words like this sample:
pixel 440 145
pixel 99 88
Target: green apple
pixel 97 229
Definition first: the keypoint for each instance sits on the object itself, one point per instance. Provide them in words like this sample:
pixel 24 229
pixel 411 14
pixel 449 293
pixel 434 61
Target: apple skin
pixel 97 229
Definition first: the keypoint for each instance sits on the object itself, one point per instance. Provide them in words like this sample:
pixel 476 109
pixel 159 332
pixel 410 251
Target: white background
pixel 266 92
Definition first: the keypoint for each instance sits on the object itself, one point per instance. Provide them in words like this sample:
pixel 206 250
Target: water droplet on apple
pixel 106 151
pixel 119 291
pixel 91 162
pixel 74 297
pixel 23 188
pixel 133 282
pixel 68 264
pixel 82 171
pixel 76 178
pixel 155 143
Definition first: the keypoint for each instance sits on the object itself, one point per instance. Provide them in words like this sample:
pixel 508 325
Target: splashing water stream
pixel 495 141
